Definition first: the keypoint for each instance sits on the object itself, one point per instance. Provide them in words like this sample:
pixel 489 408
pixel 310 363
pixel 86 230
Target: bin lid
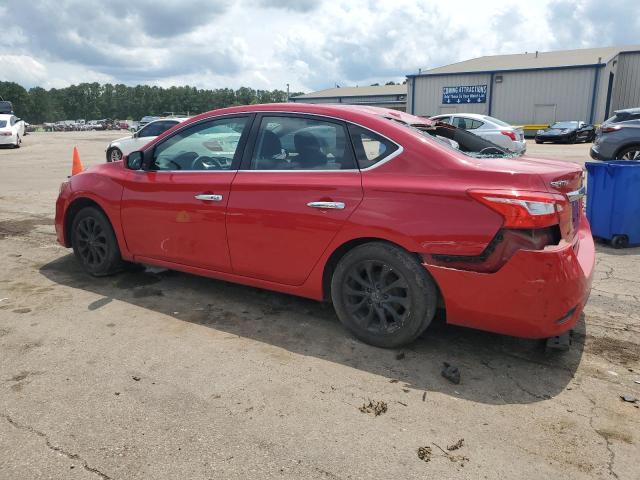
pixel 611 164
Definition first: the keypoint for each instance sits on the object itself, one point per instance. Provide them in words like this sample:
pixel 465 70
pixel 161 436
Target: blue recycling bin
pixel 613 201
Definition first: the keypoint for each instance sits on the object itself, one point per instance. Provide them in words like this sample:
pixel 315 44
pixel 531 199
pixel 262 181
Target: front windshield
pixel 565 125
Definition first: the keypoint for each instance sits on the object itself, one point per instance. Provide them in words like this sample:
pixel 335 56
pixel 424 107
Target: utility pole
pixel 288 93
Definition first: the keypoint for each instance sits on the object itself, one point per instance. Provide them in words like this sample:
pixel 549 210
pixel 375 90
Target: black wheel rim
pixel 91 241
pixel 376 296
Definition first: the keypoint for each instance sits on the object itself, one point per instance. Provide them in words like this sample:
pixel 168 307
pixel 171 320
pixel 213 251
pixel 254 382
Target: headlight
pixel 540 131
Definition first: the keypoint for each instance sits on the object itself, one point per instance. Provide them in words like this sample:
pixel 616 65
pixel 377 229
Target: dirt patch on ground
pixel 615 350
pixel 22 227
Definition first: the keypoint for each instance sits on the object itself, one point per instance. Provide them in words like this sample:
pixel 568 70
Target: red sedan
pixel 387 215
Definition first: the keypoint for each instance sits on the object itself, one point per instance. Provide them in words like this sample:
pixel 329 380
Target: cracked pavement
pixel 150 375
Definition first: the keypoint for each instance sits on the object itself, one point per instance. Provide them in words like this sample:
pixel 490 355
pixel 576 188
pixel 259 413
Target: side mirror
pixel 134 161
pixel 135 134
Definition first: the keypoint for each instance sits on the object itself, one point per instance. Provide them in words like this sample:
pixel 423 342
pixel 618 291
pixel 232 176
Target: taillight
pixel 509 134
pixel 610 128
pixel 525 209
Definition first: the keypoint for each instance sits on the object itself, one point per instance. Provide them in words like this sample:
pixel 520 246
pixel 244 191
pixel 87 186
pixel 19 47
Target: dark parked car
pixel 6 107
pixel 567 132
pixel 618 137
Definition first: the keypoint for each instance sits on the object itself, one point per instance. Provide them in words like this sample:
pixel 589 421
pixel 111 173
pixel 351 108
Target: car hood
pixel 118 140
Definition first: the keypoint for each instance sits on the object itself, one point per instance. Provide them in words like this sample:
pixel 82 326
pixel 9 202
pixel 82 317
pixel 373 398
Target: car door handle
pixel 208 197
pixel 331 205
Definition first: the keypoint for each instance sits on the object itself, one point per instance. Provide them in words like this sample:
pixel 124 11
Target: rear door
pixel 297 186
pixel 175 210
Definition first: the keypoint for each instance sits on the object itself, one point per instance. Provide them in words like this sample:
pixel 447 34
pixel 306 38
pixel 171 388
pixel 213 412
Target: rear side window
pixel 370 147
pixel 467 123
pixel 301 143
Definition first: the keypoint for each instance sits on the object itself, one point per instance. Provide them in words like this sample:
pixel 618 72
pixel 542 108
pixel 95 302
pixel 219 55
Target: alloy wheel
pixel 115 155
pixel 631 155
pixel 91 241
pixel 376 296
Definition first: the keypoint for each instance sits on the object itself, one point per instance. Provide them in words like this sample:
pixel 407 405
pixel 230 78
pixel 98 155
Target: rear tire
pixel 18 141
pixel 539 142
pixel 383 295
pixel 94 243
pixel 630 153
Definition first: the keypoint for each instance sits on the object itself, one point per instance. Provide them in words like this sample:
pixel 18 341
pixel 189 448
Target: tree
pixel 92 101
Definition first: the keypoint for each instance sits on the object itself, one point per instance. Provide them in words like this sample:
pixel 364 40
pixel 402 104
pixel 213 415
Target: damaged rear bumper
pixel 536 294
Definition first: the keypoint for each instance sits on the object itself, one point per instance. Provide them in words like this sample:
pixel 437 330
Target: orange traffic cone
pixel 77 164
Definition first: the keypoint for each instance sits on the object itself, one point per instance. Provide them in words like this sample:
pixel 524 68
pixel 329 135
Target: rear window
pixel 3 123
pixel 497 121
pixel 370 147
pixel 623 117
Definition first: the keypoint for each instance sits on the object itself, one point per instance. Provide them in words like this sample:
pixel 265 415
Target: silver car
pixel 489 128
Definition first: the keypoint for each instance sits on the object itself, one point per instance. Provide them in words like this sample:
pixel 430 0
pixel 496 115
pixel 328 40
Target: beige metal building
pixel 532 88
pixel 389 96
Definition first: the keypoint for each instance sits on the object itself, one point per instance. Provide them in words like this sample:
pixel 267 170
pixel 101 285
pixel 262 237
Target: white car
pixel 11 130
pixel 489 128
pixel 125 145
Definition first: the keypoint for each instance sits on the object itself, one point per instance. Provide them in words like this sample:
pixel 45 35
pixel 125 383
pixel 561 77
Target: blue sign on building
pixel 465 94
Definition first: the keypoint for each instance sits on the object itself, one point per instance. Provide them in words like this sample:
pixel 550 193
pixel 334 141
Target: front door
pixel 298 186
pixel 175 209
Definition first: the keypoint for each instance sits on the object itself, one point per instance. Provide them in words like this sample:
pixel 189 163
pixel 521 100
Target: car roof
pixel 352 113
pixel 6 116
pixel 628 110
pixel 177 120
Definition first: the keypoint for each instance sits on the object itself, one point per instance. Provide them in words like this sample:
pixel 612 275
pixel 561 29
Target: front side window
pixel 207 146
pixel 370 147
pixel 301 143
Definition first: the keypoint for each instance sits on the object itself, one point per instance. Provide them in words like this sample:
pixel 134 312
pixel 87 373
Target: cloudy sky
pixel 311 44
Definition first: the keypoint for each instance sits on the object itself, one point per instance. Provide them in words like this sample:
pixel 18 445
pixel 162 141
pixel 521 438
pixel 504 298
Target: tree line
pixel 93 101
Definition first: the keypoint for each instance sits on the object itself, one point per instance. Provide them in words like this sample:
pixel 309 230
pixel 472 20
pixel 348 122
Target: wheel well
pixel 72 211
pixel 629 145
pixel 341 251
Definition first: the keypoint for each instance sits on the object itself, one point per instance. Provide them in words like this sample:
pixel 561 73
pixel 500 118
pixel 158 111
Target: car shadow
pixel 494 369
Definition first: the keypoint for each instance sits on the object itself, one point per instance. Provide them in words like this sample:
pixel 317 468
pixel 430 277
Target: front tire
pixel 114 154
pixel 18 141
pixel 94 243
pixel 383 295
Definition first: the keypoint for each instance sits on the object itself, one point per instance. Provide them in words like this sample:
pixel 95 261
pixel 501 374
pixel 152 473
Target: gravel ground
pixel 167 375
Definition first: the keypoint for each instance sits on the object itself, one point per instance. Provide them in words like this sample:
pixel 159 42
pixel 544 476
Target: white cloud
pixel 269 43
